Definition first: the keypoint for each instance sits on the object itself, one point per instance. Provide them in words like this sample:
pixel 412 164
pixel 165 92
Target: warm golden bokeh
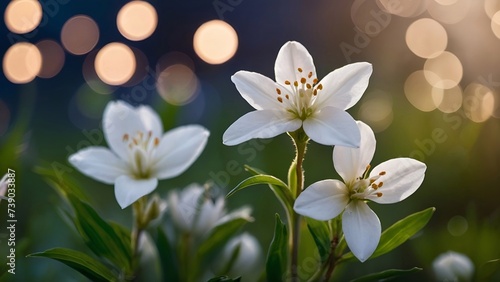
pixel 491 7
pixel 419 92
pixel 447 100
pixel 403 8
pixel 115 63
pixel 91 78
pixel 137 20
pixel 80 35
pixel 450 13
pixel 53 58
pixel 215 42
pixel 22 62
pixel 376 110
pixel 495 24
pixel 426 38
pixel 444 71
pixel 479 102
pixel 177 84
pixel 23 16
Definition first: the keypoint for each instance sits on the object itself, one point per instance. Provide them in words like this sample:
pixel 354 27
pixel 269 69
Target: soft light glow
pixel 447 100
pixel 376 110
pixel 403 8
pixel 90 75
pixel 458 225
pixel 22 62
pixel 495 24
pixel 479 102
pixel 23 16
pixel 419 92
pixel 444 71
pixel 450 13
pixel 426 38
pixel 115 63
pixel 215 42
pixel 177 84
pixel 364 15
pixel 52 57
pixel 491 7
pixel 137 20
pixel 80 35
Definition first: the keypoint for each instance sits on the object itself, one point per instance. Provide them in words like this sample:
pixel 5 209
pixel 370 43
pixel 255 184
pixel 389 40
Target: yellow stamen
pixel 287 82
pixel 315 81
pixel 380 184
pixel 309 86
pixel 379 194
pixel 125 137
pixel 382 173
pixel 278 91
pixel 299 69
pixel 310 74
pixel 303 80
pixel 287 97
pixel 295 83
pixel 157 141
pixel 374 186
pixel 280 99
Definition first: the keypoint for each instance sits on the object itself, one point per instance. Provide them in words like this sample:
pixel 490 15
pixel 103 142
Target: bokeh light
pixel 4 118
pixel 115 63
pixel 91 77
pixel 23 16
pixel 491 7
pixel 52 58
pixel 444 71
pixel 141 68
pixel 137 20
pixel 80 35
pixel 479 102
pixel 22 62
pixel 452 12
pixel 177 84
pixel 419 92
pixel 458 225
pixel 447 100
pixel 368 17
pixel 376 110
pixel 495 24
pixel 426 38
pixel 403 8
pixel 215 42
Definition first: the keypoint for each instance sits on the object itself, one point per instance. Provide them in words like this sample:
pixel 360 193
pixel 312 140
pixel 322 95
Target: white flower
pixel 298 99
pixel 389 182
pixel 3 187
pixel 140 152
pixel 245 263
pixel 452 266
pixel 194 211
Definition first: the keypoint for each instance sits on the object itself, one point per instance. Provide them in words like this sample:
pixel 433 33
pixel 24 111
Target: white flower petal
pixel 99 163
pixel 343 87
pixel 150 120
pixel 208 215
pixel 129 190
pixel 259 124
pixel 259 91
pixel 120 118
pixel 183 206
pixel 322 200
pixel 351 163
pixel 402 178
pixel 292 56
pixel 333 126
pixel 361 228
pixel 178 149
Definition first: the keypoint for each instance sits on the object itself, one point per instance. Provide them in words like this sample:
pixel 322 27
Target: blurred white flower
pixel 194 211
pixel 3 187
pixel 140 153
pixel 241 256
pixel 298 99
pixel 389 182
pixel 452 266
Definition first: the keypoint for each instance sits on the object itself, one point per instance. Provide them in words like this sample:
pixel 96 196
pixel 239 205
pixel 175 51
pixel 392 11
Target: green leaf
pixel 277 256
pixel 278 187
pixel 398 233
pixel 101 237
pixel 86 265
pixel 58 177
pixel 321 235
pixel 224 279
pixel 387 274
pixel 487 270
pixel 262 179
pixel 168 262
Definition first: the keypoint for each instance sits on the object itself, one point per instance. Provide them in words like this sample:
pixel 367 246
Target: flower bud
pixel 452 266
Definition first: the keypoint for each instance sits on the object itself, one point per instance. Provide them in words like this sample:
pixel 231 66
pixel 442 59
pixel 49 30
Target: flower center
pixel 363 186
pixel 141 148
pixel 299 96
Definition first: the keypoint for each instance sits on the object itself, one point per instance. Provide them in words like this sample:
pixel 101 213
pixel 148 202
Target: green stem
pixel 300 140
pixel 137 229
